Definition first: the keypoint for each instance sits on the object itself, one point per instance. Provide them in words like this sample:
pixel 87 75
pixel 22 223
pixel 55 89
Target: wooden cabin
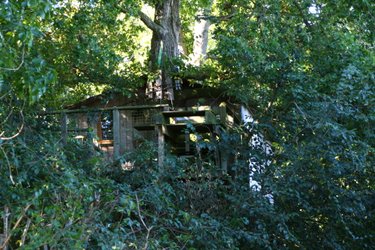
pixel 118 124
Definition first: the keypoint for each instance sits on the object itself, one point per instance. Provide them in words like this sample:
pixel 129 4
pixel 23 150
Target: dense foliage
pixel 304 68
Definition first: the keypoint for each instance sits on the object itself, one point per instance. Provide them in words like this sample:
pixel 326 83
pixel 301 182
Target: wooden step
pixel 180 113
pixel 189 116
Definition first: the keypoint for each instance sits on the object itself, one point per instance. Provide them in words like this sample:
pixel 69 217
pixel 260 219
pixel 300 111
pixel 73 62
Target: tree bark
pixel 154 88
pixel 165 40
pixel 201 29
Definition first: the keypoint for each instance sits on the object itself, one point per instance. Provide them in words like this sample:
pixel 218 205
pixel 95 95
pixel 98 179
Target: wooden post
pixel 224 160
pixel 161 139
pixel 64 128
pixel 215 133
pixel 116 133
pixel 223 113
pixel 221 153
pixel 187 142
pixel 161 145
pixel 126 131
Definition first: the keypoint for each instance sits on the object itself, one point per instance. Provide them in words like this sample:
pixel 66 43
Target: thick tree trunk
pixel 171 22
pixel 156 41
pixel 154 88
pixel 164 47
pixel 201 28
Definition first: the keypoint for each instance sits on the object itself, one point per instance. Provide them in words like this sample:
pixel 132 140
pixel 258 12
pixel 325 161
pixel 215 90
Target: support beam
pixel 64 128
pixel 161 145
pixel 69 111
pixel 161 139
pixel 221 153
pixel 224 161
pixel 116 133
pixel 187 142
pixel 126 131
pixel 215 133
pixel 223 113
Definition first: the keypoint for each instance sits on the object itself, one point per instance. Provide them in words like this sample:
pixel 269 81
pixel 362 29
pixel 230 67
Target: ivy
pixel 307 77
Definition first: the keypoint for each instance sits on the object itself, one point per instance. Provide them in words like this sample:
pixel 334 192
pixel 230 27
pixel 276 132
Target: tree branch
pixel 9 167
pixel 5 243
pixel 143 223
pixel 16 134
pixel 20 65
pixel 215 19
pixel 151 24
pixel 23 238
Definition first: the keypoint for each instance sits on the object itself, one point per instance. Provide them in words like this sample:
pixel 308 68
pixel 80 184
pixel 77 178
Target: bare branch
pixel 9 166
pixel 15 225
pixel 216 19
pixel 24 233
pixel 6 118
pixel 304 116
pixel 143 223
pixel 4 243
pixel 151 24
pixel 148 22
pixel 16 134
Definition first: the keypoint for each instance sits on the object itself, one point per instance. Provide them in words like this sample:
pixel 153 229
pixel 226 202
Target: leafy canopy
pixel 304 69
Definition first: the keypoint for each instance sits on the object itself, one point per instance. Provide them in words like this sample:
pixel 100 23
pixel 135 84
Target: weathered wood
pixel 116 133
pixel 105 142
pixel 161 145
pixel 215 141
pixel 201 30
pixel 182 113
pixel 166 32
pixel 99 131
pixel 221 153
pixel 126 131
pixel 64 128
pixel 70 111
pixel 161 141
pixel 224 160
pixel 187 141
pixel 210 118
pixel 223 113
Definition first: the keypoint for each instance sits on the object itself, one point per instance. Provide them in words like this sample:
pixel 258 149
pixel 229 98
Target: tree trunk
pixel 165 40
pixel 154 88
pixel 170 42
pixel 156 41
pixel 201 28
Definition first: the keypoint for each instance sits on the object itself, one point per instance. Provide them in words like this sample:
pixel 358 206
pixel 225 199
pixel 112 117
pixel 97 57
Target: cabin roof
pixel 187 97
pixel 110 99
